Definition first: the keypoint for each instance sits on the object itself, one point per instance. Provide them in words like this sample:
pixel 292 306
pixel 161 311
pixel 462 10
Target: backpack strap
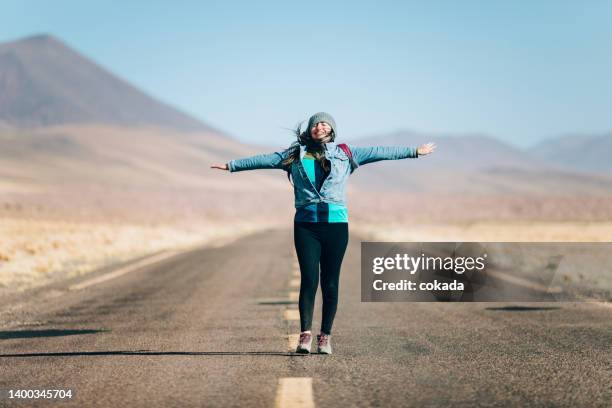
pixel 348 152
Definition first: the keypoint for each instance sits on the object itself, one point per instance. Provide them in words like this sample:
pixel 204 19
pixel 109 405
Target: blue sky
pixel 518 70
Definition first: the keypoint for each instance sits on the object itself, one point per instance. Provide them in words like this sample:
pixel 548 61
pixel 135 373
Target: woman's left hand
pixel 426 148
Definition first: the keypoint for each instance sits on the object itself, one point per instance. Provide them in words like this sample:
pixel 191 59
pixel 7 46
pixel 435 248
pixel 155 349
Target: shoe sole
pixel 302 351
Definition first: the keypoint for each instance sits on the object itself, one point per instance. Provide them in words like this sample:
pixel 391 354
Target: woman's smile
pixel 320 130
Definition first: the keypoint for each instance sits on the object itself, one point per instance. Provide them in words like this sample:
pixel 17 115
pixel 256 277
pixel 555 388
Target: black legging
pixel 324 243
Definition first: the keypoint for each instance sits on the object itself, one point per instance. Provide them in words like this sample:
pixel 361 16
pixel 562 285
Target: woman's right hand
pixel 220 166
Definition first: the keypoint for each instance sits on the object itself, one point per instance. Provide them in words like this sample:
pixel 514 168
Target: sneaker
pixel 304 343
pixel 323 343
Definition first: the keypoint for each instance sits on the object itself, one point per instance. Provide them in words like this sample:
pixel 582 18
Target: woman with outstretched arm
pixel 320 169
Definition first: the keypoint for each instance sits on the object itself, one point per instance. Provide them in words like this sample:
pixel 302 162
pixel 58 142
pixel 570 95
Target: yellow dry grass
pixel 33 251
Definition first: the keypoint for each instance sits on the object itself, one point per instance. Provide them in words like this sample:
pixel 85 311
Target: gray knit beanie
pixel 322 117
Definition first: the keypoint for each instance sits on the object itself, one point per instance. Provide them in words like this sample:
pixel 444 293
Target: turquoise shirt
pixel 320 212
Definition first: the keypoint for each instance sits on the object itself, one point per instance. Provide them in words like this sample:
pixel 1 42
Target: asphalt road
pixel 210 327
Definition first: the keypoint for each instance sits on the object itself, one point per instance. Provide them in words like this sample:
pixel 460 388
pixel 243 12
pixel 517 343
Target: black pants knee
pixel 324 244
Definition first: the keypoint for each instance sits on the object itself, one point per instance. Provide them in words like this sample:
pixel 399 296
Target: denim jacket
pixel 333 189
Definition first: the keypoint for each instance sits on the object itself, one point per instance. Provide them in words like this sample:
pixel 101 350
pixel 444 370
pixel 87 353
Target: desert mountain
pixel 474 164
pixel 45 82
pixel 460 152
pixel 591 153
pixel 76 139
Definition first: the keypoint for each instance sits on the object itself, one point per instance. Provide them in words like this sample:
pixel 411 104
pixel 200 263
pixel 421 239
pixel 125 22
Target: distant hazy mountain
pixel 581 152
pixel 460 152
pixel 44 82
pixel 474 164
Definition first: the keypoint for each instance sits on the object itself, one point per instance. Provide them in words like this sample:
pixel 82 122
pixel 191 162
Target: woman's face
pixel 320 130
